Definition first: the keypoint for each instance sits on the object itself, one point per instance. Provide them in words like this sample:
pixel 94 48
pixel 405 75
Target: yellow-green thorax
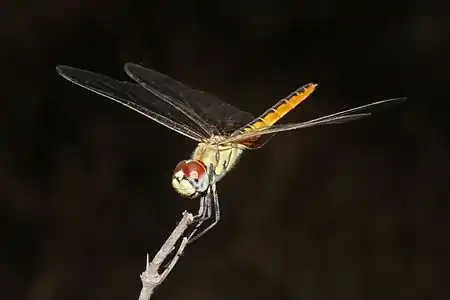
pixel 222 157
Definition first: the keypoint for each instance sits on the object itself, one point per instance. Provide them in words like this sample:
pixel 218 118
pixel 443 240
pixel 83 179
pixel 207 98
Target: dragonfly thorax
pixel 190 178
pixel 218 159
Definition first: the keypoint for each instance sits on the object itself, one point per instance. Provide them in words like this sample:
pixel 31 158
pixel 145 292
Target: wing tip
pixel 127 65
pixel 61 68
pixel 400 99
pixel 130 66
pixel 64 71
pixel 394 101
pixel 131 69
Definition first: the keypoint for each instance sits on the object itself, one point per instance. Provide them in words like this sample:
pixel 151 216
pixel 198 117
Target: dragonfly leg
pixel 200 216
pixel 205 215
pixel 214 203
pixel 205 210
pixel 205 200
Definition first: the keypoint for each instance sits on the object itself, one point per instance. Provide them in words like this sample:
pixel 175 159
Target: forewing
pixel 256 138
pixel 137 98
pixel 207 109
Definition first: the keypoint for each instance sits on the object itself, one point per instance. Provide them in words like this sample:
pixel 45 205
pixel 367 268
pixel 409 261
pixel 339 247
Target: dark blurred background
pixel 353 211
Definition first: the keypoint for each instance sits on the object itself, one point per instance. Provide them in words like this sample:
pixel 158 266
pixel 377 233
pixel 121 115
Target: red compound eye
pixel 191 169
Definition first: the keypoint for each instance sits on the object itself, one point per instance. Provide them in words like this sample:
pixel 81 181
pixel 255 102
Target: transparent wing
pixel 251 139
pixel 206 109
pixel 139 99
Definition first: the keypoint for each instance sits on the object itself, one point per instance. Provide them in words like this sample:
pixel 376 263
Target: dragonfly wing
pixel 137 98
pixel 367 108
pixel 206 109
pixel 257 138
pixel 250 139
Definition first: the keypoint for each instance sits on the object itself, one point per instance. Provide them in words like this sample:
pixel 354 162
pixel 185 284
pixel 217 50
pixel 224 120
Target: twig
pixel 151 278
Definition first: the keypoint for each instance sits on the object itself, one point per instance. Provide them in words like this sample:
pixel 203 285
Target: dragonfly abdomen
pixel 282 107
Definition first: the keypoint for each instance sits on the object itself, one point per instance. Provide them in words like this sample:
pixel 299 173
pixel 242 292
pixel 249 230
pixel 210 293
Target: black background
pixel 354 211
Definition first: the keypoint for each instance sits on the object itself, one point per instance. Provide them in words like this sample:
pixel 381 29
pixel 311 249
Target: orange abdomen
pixel 282 107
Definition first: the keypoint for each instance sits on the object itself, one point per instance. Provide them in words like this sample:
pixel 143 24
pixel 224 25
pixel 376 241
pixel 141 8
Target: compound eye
pixel 190 178
pixel 191 169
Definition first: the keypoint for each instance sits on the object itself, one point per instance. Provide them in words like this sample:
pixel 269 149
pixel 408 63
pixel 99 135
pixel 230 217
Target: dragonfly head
pixel 190 178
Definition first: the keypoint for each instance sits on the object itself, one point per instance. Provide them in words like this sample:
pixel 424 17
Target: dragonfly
pixel 222 131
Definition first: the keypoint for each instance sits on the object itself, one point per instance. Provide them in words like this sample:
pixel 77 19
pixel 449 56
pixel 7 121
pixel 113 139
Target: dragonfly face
pixel 190 178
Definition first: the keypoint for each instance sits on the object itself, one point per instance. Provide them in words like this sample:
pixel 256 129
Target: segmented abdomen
pixel 282 107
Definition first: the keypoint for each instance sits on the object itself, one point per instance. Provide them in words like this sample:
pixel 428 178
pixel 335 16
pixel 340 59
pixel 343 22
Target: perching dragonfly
pixel 222 131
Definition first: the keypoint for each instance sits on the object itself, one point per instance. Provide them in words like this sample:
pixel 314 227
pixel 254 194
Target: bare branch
pixel 151 278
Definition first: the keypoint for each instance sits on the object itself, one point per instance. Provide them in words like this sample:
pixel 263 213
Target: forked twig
pixel 151 278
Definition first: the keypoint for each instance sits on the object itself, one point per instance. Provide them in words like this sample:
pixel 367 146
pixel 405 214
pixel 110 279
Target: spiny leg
pixel 206 200
pixel 215 203
pixel 200 216
pixel 206 206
